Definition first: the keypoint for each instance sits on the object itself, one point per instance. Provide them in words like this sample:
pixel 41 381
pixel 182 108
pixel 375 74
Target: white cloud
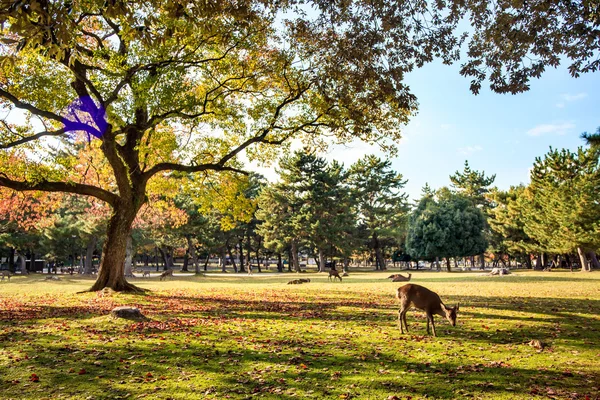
pixel 556 129
pixel 469 150
pixel 574 97
pixel 446 127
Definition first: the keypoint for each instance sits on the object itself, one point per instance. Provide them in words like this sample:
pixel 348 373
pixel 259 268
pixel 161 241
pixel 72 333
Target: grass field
pixel 257 337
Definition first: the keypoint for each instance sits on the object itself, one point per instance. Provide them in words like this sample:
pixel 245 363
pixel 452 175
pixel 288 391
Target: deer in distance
pixel 165 274
pixel 5 273
pixel 399 278
pixel 335 274
pixel 426 300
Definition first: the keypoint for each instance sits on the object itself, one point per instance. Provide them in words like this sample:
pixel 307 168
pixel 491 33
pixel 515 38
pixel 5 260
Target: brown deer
pixel 335 274
pixel 4 273
pixel 146 274
pixel 426 300
pixel 400 278
pixel 166 273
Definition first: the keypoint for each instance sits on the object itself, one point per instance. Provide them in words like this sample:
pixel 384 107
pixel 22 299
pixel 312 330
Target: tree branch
pixel 32 138
pixel 67 187
pixel 29 107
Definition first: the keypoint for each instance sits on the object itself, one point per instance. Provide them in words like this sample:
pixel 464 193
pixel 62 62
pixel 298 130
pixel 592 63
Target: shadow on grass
pixel 284 368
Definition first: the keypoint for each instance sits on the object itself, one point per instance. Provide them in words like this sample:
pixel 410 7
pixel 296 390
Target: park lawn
pixel 243 337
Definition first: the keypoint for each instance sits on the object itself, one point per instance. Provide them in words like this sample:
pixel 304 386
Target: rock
pixel 132 313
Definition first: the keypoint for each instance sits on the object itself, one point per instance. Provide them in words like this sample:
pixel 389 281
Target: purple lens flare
pixel 84 115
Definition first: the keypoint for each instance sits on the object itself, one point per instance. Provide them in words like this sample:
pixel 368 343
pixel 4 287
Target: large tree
pixel 564 207
pixel 380 201
pixel 450 226
pixel 162 87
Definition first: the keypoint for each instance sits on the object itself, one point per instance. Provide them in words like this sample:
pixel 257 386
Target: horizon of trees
pixel 328 212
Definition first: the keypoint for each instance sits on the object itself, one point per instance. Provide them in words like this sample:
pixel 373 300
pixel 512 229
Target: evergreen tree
pixel 380 202
pixel 564 213
pixel 450 226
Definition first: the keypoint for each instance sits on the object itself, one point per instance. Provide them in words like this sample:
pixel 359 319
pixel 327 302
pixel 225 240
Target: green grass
pixel 257 337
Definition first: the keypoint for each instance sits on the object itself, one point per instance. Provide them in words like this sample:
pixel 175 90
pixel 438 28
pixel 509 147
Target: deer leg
pixel 404 319
pixel 400 321
pixel 432 326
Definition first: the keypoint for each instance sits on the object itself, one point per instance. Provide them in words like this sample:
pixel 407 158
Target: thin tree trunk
pixel 235 268
pixel 448 264
pixel 482 261
pixel 585 267
pixel 192 252
pixel 594 259
pixel 258 256
pixel 437 264
pixel 321 260
pixel 11 260
pixel 206 262
pixel 455 263
pixel 89 255
pixel 346 264
pixel 186 260
pixel 223 254
pixel 294 259
pixel 241 256
pixel 279 263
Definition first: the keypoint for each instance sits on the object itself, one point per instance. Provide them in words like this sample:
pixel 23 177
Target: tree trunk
pixel 437 264
pixel 89 255
pixel 455 263
pixel 257 257
pixel 206 262
pixel 11 260
pixel 594 259
pixel 241 256
pixel 482 261
pixel 346 264
pixel 186 261
pixel 192 252
pixel 22 263
pixel 112 267
pixel 448 264
pixel 321 260
pixel 232 258
pixel 585 267
pixel 129 258
pixel 279 263
pixel 294 254
pixel 223 253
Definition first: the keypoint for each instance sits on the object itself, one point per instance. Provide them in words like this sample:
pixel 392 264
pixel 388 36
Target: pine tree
pixel 565 208
pixel 381 204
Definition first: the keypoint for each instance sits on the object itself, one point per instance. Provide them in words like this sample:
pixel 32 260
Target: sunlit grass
pixel 237 336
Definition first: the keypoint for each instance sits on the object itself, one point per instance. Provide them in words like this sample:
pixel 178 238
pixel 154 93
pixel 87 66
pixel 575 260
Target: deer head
pixel 451 313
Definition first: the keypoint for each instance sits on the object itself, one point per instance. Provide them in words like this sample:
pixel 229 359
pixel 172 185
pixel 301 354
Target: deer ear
pixel 457 307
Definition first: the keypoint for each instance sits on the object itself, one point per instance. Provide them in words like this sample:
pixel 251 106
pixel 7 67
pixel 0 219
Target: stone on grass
pixel 125 312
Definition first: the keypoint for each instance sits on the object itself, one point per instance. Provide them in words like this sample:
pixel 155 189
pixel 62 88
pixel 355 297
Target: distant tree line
pixel 325 211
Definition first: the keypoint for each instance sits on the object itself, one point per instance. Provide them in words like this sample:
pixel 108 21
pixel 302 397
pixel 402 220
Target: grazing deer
pixel 400 278
pixel 4 273
pixel 426 300
pixel 146 274
pixel 166 273
pixel 295 282
pixel 335 274
pixel 304 280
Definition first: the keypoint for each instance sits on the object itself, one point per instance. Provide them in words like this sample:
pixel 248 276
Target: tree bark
pixel 448 264
pixel 321 260
pixel 223 253
pixel 585 267
pixel 89 255
pixel 482 261
pixel 11 260
pixel 279 263
pixel 294 253
pixel 112 267
pixel 594 259
pixel 192 252
pixel 232 258
pixel 379 263
pixel 128 258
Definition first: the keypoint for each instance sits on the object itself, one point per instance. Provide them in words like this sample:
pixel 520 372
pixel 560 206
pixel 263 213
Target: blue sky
pixel 499 134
